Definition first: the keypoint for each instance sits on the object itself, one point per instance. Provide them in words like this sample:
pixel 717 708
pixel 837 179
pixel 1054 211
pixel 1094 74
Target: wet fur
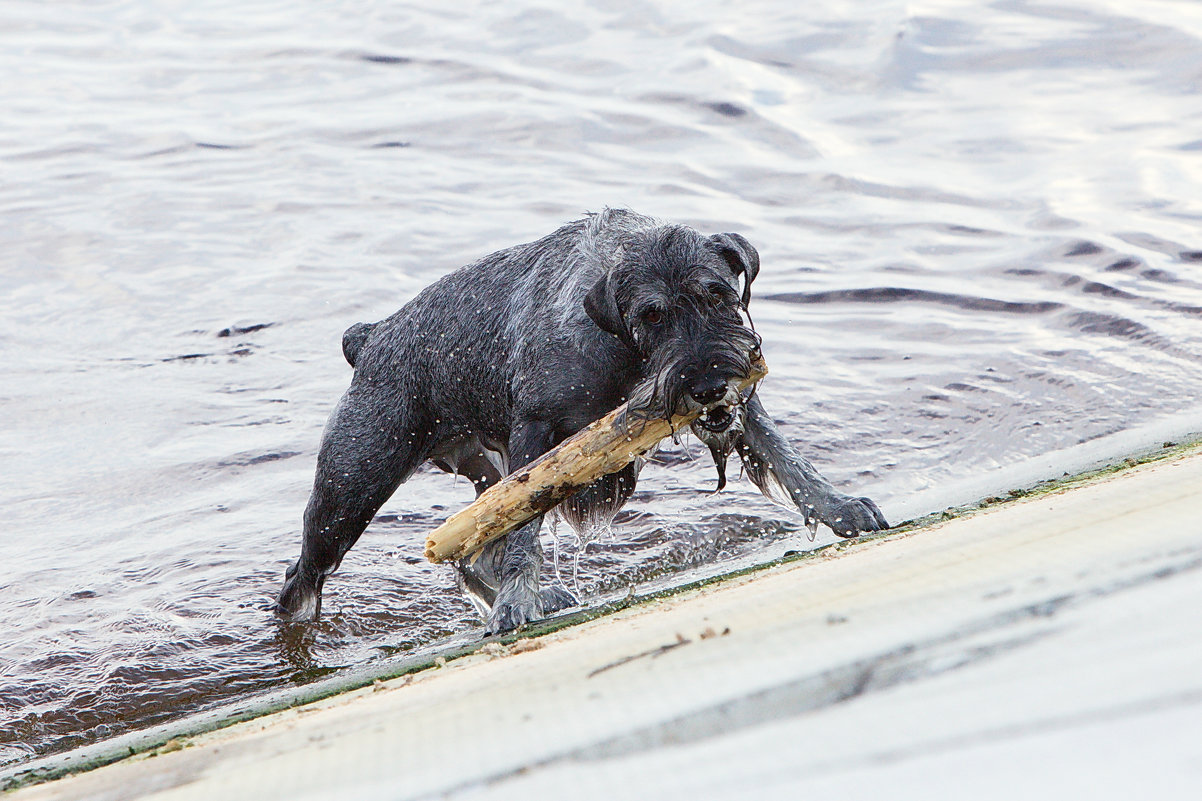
pixel 499 361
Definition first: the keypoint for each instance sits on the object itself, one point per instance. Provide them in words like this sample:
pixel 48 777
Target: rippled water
pixel 979 226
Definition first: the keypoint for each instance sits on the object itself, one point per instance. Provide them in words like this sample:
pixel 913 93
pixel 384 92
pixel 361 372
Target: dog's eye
pixel 653 317
pixel 718 294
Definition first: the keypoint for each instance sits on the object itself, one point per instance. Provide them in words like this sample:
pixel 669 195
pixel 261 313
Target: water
pixel 979 226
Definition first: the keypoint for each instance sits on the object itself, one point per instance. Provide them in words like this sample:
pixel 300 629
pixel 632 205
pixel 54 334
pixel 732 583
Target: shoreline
pixel 195 731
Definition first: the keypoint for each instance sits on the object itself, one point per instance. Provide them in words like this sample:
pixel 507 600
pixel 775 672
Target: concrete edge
pixel 175 735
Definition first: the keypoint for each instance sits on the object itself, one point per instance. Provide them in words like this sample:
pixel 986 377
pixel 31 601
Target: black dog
pixel 496 363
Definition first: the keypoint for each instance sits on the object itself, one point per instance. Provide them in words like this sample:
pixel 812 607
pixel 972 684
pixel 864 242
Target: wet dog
pixel 496 363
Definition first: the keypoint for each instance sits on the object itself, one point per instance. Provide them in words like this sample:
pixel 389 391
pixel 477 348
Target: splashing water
pixel 597 528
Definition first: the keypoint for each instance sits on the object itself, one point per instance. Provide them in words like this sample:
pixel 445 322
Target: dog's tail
pixel 353 339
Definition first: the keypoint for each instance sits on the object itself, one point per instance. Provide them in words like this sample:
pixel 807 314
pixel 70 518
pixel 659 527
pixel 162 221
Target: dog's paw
pixel 513 607
pixel 299 601
pixel 556 598
pixel 849 516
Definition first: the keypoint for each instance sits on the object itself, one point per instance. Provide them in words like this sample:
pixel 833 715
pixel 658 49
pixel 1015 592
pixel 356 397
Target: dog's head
pixel 678 299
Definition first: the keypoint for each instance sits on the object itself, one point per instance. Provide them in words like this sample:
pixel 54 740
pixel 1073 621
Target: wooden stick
pixel 604 447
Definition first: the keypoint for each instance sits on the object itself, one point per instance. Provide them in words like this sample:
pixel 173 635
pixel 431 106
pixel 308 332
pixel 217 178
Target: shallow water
pixel 979 227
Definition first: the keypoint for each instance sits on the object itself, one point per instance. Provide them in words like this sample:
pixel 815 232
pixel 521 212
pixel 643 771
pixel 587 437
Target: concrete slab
pixel 1045 647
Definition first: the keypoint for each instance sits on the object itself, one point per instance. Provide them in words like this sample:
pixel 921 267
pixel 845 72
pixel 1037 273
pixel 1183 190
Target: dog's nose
pixel 708 389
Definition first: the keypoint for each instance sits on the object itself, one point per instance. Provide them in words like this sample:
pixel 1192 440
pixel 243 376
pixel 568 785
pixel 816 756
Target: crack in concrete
pixel 905 664
pixel 1145 706
pixel 652 653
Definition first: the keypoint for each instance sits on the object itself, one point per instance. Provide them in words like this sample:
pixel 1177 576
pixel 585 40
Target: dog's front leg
pixel 518 599
pixel 785 477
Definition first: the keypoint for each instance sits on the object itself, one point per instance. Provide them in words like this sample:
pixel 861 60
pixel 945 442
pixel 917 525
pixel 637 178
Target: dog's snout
pixel 708 389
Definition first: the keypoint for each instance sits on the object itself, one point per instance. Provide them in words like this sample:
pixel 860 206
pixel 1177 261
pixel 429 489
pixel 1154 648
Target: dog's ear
pixel 742 258
pixel 601 305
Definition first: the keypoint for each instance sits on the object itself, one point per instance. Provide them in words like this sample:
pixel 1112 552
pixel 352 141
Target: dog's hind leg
pixel 364 456
pixel 785 477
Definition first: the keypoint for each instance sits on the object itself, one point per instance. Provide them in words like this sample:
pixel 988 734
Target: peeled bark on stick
pixel 604 447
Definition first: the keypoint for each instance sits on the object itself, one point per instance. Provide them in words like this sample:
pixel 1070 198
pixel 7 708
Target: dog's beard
pixel 665 393
pixel 719 427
